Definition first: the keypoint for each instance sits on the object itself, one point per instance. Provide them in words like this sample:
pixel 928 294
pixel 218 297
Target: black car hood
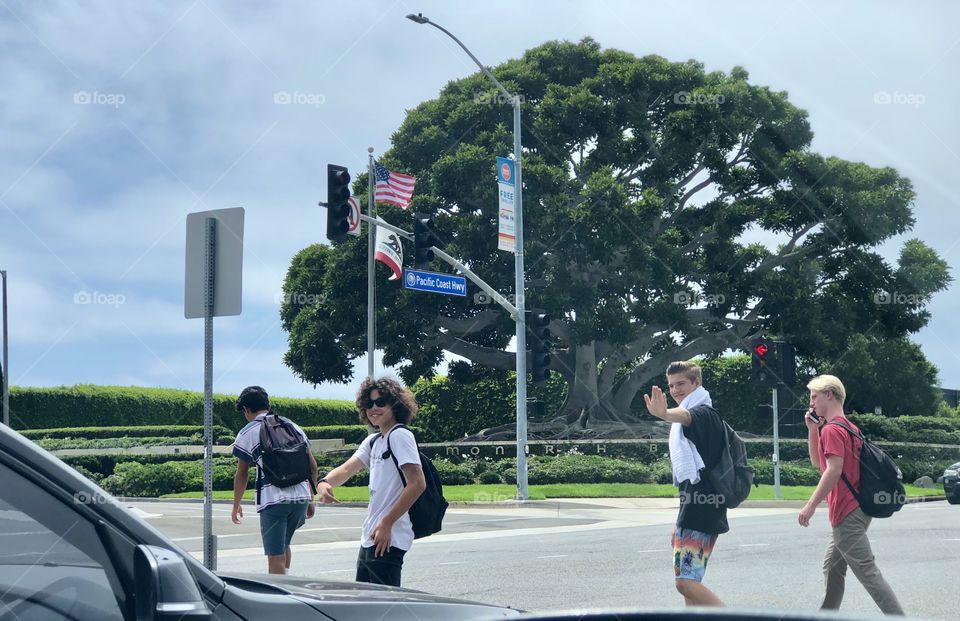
pixel 331 591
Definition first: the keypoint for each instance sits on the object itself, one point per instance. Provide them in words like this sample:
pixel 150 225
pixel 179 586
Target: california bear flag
pixel 389 251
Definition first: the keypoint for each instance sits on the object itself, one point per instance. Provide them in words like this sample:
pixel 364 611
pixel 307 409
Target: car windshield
pixel 622 270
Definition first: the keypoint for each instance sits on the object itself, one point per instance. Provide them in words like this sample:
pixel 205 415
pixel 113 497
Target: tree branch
pixel 486 356
pixel 472 325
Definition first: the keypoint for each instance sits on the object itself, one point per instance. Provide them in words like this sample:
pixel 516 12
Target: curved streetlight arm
pixel 420 19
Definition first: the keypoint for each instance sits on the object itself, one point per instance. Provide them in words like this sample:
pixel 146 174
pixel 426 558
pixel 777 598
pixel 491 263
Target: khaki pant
pixel 850 547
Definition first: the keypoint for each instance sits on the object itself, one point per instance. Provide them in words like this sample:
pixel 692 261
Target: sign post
pixel 212 287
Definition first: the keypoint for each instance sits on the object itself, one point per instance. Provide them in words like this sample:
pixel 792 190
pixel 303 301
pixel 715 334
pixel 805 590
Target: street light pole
pixel 519 289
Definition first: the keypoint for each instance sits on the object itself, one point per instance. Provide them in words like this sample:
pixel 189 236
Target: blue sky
pixel 118 120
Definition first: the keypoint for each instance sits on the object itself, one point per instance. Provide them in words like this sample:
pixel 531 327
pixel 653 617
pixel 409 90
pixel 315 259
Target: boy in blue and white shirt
pixel 282 510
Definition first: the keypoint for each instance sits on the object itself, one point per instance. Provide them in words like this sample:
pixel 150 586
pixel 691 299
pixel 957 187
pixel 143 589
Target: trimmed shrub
pixel 93 476
pixel 105 406
pixel 350 434
pixel 151 480
pixel 489 477
pixel 878 427
pixel 453 474
pixel 54 444
pixel 662 471
pixel 133 479
pixel 912 424
pixel 585 469
pixel 221 435
pixel 105 464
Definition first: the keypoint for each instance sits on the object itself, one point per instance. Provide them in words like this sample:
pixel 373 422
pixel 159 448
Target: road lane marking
pixel 299 530
pixel 753 545
pixel 435 539
pixel 552 556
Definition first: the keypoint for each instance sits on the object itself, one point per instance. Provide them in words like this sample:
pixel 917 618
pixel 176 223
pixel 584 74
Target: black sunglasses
pixel 379 402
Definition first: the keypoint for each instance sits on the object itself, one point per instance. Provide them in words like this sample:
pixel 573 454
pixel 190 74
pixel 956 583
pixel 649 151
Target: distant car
pixel 951 483
pixel 70 551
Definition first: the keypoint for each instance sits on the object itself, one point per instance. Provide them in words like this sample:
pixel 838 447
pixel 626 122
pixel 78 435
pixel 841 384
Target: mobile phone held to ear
pixel 813 415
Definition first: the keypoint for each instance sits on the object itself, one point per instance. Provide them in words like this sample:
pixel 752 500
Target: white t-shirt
pixel 247 448
pixel 385 484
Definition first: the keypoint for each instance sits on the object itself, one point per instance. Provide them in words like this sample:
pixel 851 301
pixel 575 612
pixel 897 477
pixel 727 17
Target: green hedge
pixel 54 444
pixel 109 406
pixel 219 432
pixel 134 479
pixel 116 469
pixel 104 464
pixel 351 434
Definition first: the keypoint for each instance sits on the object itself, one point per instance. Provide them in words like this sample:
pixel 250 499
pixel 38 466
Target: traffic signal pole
pixel 371 267
pixel 776 445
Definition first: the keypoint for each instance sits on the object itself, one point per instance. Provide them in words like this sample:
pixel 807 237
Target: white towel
pixel 684 456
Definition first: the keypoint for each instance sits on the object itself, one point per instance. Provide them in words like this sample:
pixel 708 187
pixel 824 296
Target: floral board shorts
pixel 691 551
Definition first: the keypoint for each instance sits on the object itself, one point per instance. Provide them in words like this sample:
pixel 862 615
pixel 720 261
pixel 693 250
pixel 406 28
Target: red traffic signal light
pixel 761 349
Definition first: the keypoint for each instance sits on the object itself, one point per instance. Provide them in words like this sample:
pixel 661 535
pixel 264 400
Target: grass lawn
pixel 494 493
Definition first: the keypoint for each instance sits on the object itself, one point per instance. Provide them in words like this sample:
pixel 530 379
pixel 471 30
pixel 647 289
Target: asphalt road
pixel 608 553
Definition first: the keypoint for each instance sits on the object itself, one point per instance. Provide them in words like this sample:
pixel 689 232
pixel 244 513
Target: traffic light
pixel 538 337
pixel 763 365
pixel 773 362
pixel 338 207
pixel 423 240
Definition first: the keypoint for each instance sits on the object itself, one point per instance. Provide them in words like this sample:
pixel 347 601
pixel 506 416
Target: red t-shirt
pixel 835 440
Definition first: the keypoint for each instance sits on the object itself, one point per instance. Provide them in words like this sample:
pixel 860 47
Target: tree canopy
pixel 668 212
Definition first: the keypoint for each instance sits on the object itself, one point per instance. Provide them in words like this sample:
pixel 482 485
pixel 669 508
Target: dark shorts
pixel 380 570
pixel 277 524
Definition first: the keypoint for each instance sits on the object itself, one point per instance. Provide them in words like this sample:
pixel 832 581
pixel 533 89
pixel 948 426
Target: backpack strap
pixel 855 435
pixel 396 462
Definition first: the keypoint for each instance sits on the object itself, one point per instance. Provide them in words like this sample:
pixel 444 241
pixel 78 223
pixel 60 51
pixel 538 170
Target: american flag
pixel 394 188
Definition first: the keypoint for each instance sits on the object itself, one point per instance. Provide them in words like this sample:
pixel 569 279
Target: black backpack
pixel 732 476
pixel 284 456
pixel 881 482
pixel 427 512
